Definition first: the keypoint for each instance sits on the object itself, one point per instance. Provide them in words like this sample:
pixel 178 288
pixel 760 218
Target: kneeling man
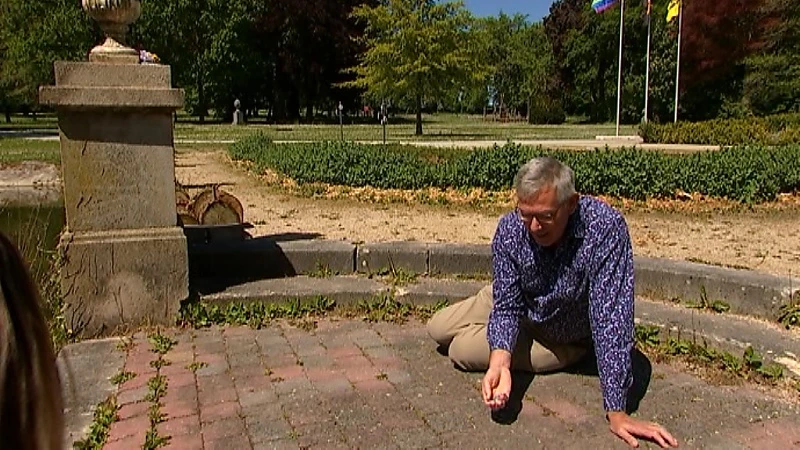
pixel 563 280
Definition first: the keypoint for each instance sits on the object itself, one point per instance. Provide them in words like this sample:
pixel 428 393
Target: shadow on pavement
pixel 642 371
pixel 520 382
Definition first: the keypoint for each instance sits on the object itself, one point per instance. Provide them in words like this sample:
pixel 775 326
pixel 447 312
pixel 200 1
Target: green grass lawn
pixel 15 150
pixel 435 128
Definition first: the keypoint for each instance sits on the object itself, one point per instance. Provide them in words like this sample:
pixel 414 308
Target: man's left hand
pixel 628 429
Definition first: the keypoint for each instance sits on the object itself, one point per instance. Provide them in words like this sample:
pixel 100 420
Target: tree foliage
pixel 415 50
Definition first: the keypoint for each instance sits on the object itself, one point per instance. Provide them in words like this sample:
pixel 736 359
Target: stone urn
pixel 114 17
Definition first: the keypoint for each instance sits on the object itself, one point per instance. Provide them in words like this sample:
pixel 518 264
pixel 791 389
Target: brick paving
pixel 352 384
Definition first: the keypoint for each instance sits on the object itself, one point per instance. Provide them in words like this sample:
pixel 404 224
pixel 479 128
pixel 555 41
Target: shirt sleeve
pixel 508 308
pixel 611 313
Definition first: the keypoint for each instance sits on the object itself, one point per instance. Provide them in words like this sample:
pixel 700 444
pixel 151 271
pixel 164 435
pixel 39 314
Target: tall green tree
pixel 32 36
pixel 415 50
pixel 772 81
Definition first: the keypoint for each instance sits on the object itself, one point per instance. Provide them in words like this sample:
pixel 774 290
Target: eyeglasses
pixel 545 218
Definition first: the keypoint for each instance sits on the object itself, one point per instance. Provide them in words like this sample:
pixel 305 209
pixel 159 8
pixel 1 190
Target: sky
pixel 534 9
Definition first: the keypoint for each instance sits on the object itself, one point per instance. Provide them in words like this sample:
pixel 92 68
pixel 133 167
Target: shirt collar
pixel 576 228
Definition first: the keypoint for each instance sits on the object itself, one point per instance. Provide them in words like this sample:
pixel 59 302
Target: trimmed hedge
pixel 772 130
pixel 747 174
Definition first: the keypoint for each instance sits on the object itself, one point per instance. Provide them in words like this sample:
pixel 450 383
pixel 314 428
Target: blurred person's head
pixel 30 391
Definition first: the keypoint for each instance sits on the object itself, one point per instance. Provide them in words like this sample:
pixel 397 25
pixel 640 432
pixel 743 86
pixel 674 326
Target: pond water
pixel 34 227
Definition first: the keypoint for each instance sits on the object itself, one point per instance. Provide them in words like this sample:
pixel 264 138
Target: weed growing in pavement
pixel 155 415
pixel 125 344
pixel 161 343
pixel 105 414
pixel 156 388
pixel 159 363
pixel 153 440
pixel 302 313
pixel 197 365
pixel 790 316
pixel 717 306
pixel 750 366
pixel 122 377
pixel 397 275
pixel 321 271
pixel 252 314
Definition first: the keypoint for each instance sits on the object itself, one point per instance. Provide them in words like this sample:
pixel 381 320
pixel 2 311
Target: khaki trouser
pixel 462 327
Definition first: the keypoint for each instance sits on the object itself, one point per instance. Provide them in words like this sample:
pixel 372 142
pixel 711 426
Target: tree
pixel 540 84
pixel 772 81
pixel 32 36
pixel 415 50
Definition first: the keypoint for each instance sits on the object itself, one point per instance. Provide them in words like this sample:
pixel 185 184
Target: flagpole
pixel 678 63
pixel 647 70
pixel 619 77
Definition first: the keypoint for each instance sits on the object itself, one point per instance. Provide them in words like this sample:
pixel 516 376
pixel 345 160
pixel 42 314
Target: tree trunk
pixel 8 114
pixel 418 130
pixel 201 98
pixel 216 207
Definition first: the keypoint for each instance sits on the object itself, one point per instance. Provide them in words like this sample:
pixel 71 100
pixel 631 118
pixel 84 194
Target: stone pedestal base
pixel 114 280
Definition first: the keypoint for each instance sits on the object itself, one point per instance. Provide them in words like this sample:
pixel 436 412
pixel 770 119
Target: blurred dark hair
pixel 31 413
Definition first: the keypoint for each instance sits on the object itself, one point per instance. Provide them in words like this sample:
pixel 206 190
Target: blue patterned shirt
pixel 582 287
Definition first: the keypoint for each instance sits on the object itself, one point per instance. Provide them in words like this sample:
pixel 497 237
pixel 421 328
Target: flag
pixel 602 5
pixel 673 10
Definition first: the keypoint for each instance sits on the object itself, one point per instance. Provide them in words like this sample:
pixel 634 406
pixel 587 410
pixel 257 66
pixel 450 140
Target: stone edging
pixel 747 293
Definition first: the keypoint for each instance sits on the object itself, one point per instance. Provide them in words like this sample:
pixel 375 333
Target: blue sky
pixel 534 9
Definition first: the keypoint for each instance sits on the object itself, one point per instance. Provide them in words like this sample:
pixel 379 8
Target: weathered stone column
pixel 126 260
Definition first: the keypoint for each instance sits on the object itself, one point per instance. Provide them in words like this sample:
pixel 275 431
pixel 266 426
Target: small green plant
pixel 105 413
pixel 254 315
pixel 156 388
pixel 153 440
pixel 717 306
pixel 750 364
pixel 790 315
pixel 647 335
pixel 159 363
pixel 321 271
pixel 161 343
pixel 124 344
pixel 155 415
pixel 381 376
pixel 122 377
pixel 197 365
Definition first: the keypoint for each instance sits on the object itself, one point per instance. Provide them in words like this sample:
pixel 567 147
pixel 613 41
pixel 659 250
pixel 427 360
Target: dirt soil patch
pixel 763 239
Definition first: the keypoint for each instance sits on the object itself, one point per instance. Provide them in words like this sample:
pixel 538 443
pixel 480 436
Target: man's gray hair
pixel 542 172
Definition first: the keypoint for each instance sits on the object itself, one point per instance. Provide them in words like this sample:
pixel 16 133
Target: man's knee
pixel 438 329
pixel 469 353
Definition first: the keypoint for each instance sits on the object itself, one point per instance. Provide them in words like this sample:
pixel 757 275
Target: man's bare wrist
pixel 500 359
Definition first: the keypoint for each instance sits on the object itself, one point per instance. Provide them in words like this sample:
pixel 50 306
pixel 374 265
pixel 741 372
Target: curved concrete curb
pixel 747 293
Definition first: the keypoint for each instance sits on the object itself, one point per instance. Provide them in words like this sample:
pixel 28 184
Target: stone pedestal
pixel 126 260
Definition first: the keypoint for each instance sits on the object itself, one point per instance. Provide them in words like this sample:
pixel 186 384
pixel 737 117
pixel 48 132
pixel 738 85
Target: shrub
pixel 746 174
pixel 772 130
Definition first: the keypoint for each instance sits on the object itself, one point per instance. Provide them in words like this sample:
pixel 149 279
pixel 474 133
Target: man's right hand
pixel 496 384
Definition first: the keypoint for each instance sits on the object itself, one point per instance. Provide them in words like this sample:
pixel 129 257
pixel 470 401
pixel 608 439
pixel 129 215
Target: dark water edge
pixel 34 226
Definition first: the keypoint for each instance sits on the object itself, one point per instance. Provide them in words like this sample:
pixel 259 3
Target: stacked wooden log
pixel 209 206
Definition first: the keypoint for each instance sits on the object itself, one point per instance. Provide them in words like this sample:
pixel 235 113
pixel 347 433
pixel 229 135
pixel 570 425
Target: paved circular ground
pixel 351 384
